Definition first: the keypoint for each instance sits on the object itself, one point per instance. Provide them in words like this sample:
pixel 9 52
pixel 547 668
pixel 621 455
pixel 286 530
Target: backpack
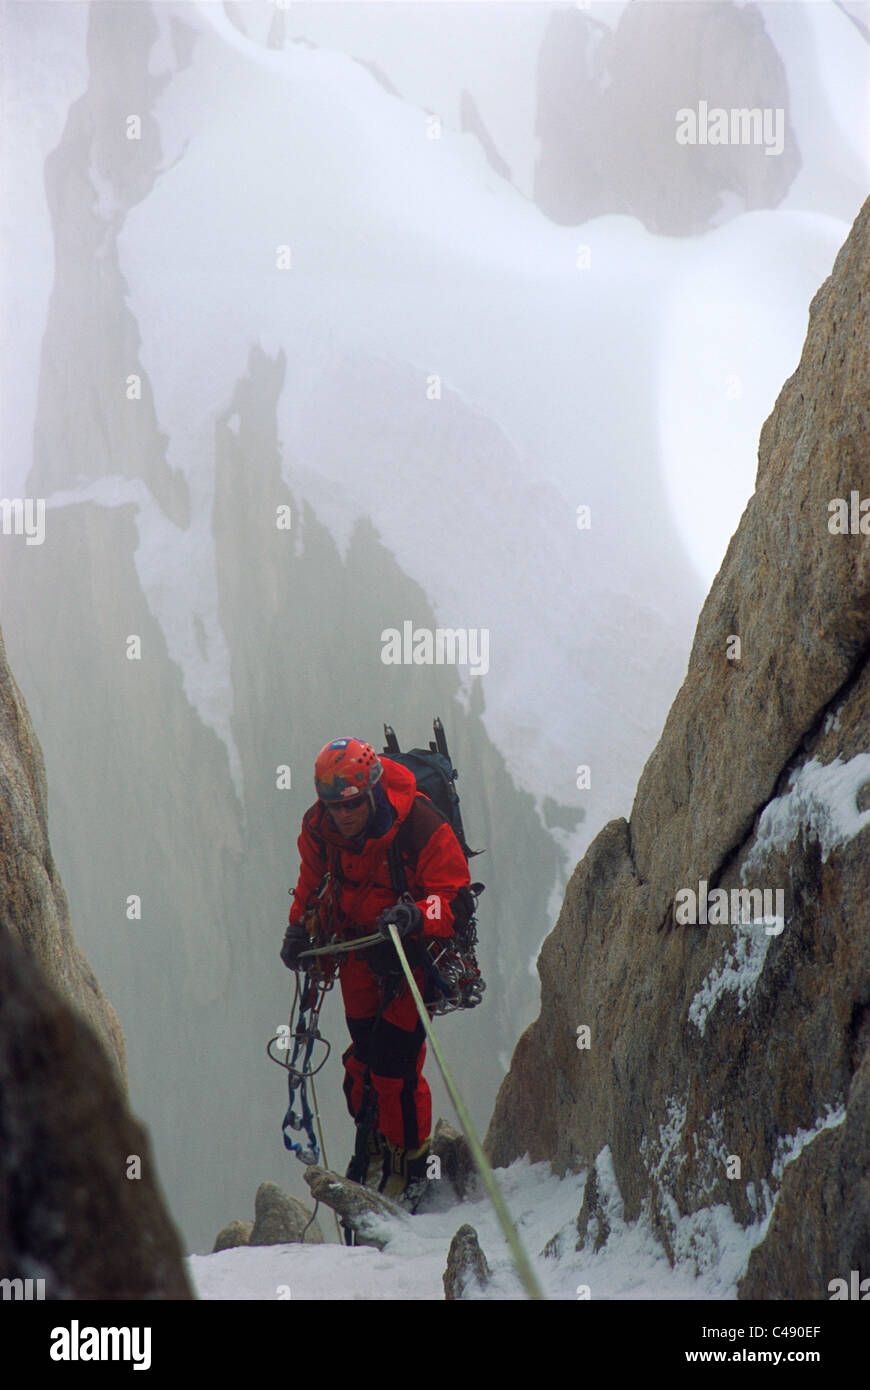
pixel 450 963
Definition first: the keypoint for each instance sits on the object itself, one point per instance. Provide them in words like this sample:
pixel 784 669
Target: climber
pixel 345 889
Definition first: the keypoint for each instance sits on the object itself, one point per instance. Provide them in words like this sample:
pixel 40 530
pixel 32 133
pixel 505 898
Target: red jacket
pixel 434 863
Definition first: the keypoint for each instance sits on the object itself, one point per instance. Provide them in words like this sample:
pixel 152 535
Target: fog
pixel 326 319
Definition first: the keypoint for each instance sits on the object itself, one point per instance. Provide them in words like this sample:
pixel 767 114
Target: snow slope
pixel 711 1249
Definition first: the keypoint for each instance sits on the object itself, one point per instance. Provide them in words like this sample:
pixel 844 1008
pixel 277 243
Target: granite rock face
pixel 33 905
pixel 725 1059
pixel 799 1259
pixel 81 1207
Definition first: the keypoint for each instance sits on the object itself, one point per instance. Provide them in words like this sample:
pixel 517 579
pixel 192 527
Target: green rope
pixel 521 1259
pixel 325 1159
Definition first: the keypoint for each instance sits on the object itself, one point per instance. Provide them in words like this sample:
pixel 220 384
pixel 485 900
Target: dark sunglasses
pixel 352 804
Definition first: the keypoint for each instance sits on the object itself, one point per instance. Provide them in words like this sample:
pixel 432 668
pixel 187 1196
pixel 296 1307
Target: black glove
pixel 296 940
pixel 406 918
pixel 381 958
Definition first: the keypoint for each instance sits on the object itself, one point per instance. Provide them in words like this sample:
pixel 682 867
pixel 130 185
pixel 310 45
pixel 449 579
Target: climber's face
pixel 349 817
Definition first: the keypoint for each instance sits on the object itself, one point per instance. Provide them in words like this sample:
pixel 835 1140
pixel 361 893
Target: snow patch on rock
pixel 738 972
pixel 821 803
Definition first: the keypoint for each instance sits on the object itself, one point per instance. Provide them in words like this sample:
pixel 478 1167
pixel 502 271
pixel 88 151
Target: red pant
pixel 393 1047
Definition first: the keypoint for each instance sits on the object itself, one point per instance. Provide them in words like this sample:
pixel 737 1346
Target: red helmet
pixel 346 767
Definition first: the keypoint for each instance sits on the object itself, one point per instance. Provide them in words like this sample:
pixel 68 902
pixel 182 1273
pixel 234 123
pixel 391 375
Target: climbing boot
pixel 418 1180
pixel 404 1173
pixel 375 1168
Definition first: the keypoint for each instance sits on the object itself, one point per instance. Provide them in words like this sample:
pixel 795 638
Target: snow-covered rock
pixel 703 1055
